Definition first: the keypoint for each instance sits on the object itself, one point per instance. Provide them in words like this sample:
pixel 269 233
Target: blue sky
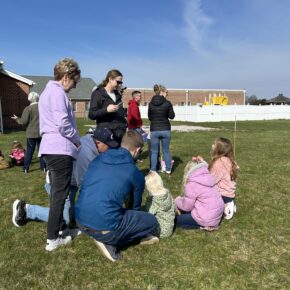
pixel 198 44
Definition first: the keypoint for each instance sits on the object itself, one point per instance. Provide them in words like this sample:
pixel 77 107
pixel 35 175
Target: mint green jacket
pixel 163 208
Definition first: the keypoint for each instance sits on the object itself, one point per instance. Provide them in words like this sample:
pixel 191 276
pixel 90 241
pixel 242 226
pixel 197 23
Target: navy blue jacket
pixel 110 178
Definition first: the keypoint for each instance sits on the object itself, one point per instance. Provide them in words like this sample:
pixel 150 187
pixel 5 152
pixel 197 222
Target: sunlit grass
pixel 251 251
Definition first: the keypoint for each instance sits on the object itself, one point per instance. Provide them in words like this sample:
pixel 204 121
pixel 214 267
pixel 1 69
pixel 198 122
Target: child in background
pixel 3 163
pixel 224 169
pixel 161 204
pixel 201 206
pixel 17 153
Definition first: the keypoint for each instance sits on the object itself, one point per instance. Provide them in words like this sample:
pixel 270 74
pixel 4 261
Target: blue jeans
pixel 155 138
pixel 134 226
pixel 30 148
pixel 186 221
pixel 40 213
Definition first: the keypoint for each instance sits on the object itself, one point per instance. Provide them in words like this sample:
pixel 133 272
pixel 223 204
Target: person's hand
pixel 177 211
pixel 14 117
pixel 112 108
pixel 78 144
pixel 197 158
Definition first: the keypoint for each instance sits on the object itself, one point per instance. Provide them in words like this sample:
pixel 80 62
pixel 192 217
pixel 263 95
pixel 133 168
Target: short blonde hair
pixel 132 140
pixel 66 66
pixel 154 183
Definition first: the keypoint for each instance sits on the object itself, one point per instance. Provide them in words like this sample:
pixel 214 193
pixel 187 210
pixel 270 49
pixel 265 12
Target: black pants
pixel 60 172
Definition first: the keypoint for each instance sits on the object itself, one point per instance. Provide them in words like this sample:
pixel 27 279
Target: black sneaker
pixel 108 251
pixel 19 213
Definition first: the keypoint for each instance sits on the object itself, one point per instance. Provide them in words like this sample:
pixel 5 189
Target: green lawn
pixel 251 251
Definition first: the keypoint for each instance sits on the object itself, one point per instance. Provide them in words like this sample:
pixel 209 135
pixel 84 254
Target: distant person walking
pixel 134 116
pixel 160 110
pixel 30 119
pixel 59 145
pixel 106 105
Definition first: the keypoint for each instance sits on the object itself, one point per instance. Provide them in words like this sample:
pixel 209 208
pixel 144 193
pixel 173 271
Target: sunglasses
pixel 119 82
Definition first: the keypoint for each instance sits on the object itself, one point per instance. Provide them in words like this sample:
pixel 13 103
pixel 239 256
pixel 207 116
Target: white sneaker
pixel 52 245
pixel 229 210
pixel 108 251
pixel 149 240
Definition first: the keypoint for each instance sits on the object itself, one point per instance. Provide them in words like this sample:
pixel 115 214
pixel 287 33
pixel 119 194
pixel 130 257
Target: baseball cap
pixel 106 136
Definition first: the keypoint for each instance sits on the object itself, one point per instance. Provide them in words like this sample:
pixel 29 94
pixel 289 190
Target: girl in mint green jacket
pixel 161 204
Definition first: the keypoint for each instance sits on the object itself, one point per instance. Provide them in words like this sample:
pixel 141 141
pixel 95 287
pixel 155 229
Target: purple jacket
pixel 56 121
pixel 202 198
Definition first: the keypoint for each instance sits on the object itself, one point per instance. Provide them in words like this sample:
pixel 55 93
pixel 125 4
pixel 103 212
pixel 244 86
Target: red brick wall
pixel 177 97
pixel 13 94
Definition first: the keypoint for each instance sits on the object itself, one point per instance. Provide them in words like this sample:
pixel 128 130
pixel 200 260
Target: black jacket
pixel 160 109
pixel 100 100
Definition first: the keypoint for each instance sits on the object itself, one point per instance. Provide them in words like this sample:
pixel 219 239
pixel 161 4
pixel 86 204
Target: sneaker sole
pixel 149 242
pixel 14 208
pixel 104 251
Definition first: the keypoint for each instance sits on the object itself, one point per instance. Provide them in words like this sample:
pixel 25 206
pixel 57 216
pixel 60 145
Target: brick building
pixel 181 97
pixel 80 96
pixel 14 90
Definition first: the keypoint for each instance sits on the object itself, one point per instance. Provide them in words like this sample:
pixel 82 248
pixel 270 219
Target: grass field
pixel 251 251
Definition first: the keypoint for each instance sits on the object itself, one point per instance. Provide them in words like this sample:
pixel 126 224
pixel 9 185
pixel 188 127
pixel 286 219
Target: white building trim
pixel 17 77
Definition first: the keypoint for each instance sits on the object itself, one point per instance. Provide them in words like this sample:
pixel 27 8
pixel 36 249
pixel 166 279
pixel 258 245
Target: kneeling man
pixel 100 210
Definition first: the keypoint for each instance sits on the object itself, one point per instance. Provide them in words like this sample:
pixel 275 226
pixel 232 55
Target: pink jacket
pixel 221 171
pixel 18 155
pixel 202 198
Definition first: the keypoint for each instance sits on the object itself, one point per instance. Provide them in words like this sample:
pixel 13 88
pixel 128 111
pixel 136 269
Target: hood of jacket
pixel 202 176
pixel 117 156
pixel 133 102
pixel 164 201
pixel 158 100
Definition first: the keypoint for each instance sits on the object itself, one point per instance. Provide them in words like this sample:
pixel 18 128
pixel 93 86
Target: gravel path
pixel 185 128
pixel 181 128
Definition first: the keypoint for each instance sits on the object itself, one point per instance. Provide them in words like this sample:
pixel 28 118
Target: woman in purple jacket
pixel 59 145
pixel 201 206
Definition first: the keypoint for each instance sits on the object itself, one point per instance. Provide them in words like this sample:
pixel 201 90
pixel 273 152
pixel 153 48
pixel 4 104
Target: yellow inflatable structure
pixel 218 100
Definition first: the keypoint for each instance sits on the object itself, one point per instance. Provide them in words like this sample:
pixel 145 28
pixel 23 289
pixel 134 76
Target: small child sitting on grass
pixel 161 204
pixel 201 206
pixel 17 153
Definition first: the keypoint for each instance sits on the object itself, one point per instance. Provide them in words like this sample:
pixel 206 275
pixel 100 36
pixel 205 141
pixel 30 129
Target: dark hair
pixel 113 73
pixel 135 92
pixel 223 148
pixel 66 66
pixel 158 89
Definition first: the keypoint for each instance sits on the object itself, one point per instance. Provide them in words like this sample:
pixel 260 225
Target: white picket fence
pixel 226 113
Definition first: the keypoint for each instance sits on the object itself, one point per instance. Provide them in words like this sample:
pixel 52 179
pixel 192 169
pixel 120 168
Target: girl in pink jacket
pixel 224 169
pixel 201 206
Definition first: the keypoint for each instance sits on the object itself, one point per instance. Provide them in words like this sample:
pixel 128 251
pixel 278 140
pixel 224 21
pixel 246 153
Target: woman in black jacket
pixel 159 111
pixel 106 105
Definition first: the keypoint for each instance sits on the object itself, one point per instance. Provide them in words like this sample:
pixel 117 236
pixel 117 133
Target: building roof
pixel 14 76
pixel 279 99
pixel 82 91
